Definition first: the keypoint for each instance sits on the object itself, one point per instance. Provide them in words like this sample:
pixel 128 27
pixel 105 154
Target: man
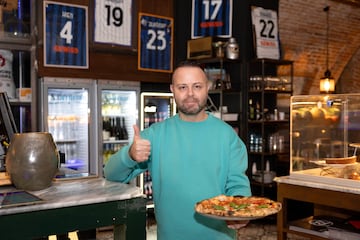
pixel 191 156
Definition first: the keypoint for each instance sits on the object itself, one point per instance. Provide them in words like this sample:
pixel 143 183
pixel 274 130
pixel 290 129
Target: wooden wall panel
pixel 110 63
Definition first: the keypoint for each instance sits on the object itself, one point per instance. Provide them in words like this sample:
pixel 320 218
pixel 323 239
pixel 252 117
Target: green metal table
pixel 78 205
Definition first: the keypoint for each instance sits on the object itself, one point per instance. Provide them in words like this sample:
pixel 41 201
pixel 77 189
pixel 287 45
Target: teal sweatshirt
pixel 189 162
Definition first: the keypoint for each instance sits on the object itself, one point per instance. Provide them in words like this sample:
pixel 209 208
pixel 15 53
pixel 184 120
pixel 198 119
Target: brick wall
pixel 302 29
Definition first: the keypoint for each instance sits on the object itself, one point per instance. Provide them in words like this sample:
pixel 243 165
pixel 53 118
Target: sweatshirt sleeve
pixel 238 182
pixel 121 167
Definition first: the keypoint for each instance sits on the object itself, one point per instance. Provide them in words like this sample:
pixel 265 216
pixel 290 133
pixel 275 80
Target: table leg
pixel 119 232
pixel 281 216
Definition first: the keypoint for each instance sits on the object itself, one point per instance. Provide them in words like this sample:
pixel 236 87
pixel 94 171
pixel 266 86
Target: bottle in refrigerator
pixel 155 107
pixel 67 109
pixel 119 112
pixel 124 132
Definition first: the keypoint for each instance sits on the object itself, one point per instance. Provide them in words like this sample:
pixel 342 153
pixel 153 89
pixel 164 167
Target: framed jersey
pixel 113 22
pixel 265 25
pixel 155 50
pixel 114 25
pixel 65 35
pixel 211 18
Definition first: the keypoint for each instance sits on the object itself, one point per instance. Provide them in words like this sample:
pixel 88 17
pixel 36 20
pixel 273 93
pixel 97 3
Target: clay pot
pixel 32 160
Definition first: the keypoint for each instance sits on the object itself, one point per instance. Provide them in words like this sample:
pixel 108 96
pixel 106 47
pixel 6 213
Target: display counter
pixel 81 204
pixel 335 197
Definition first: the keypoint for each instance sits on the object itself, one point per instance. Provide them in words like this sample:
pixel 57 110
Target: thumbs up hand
pixel 140 148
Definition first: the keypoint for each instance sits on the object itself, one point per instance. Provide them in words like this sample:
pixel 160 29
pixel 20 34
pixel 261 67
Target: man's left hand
pixel 236 224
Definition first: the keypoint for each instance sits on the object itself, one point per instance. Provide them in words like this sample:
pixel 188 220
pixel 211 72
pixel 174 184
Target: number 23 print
pixel 155 43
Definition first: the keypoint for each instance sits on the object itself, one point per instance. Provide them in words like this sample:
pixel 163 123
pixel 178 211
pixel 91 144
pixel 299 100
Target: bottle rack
pixel 269 90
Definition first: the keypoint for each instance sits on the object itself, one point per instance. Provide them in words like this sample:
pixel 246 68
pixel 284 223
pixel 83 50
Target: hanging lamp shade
pixel 327 83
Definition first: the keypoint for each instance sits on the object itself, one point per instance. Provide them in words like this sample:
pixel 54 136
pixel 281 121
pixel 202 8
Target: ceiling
pixel 351 2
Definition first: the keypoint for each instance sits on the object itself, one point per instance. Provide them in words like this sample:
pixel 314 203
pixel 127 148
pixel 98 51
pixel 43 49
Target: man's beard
pixel 191 110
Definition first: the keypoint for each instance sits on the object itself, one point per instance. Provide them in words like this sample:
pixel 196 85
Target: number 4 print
pixel 66 32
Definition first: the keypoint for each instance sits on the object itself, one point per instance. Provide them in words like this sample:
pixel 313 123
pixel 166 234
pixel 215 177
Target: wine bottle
pixel 113 127
pixel 124 132
pixel 118 131
pixel 251 110
pixel 257 111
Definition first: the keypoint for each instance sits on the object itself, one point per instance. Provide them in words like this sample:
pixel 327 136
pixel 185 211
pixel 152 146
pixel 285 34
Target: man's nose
pixel 190 91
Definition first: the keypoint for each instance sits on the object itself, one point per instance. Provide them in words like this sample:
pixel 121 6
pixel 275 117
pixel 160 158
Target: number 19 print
pixel 113 22
pixel 65 35
pixel 155 43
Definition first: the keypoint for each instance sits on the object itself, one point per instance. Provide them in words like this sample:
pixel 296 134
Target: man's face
pixel 190 89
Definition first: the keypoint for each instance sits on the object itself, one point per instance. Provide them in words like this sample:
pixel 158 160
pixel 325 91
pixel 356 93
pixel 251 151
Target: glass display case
pixel 325 137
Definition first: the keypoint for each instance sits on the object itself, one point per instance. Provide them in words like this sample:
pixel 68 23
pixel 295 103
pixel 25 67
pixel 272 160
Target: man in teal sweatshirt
pixel 191 156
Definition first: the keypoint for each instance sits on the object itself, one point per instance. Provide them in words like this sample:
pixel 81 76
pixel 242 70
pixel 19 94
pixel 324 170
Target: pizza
pixel 238 207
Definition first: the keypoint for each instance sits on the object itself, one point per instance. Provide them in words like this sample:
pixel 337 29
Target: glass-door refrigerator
pixel 118 109
pixel 155 107
pixel 68 113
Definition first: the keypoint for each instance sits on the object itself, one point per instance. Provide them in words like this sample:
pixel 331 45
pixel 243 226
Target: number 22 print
pixel 65 35
pixel 155 43
pixel 266 32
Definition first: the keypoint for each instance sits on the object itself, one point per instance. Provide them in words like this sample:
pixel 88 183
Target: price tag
pixel 113 22
pixel 155 43
pixel 265 24
pixel 65 35
pixel 211 18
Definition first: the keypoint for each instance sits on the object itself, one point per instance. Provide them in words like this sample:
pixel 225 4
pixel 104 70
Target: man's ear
pixel 208 84
pixel 171 88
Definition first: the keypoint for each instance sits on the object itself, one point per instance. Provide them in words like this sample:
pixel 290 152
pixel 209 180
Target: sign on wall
pixel 265 24
pixel 211 18
pixel 113 22
pixel 155 43
pixel 65 35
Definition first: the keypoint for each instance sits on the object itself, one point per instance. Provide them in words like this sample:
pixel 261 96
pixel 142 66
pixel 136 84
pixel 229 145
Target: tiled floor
pixel 253 231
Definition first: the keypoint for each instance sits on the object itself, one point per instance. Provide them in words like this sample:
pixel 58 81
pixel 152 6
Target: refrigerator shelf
pixel 116 141
pixel 65 140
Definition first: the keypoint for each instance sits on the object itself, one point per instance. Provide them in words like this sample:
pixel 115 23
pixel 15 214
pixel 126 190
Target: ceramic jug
pixel 32 160
pixel 232 49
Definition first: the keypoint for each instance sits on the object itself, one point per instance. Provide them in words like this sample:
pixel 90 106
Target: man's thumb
pixel 136 131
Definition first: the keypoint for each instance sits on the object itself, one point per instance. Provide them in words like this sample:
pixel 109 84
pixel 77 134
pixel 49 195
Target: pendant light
pixel 327 83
